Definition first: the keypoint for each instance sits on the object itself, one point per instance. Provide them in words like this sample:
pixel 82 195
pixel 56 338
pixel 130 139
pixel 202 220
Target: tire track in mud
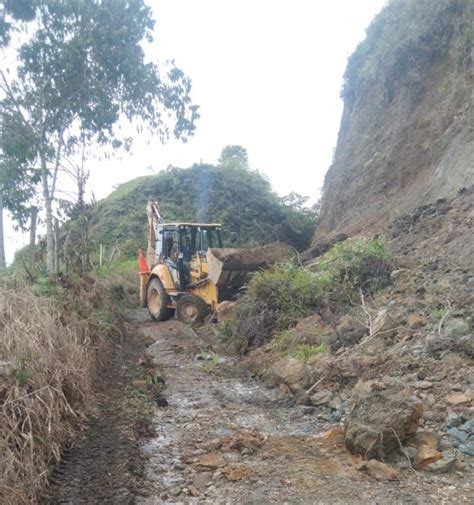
pixel 104 464
pixel 224 438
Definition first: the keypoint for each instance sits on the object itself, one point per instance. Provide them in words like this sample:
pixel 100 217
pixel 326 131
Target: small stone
pixel 214 444
pixel 378 470
pixel 193 490
pixel 468 426
pixel 423 385
pixel 424 438
pixel 453 419
pixel 175 491
pixel 335 417
pixel 427 455
pixel 416 321
pixel 458 434
pixel 212 460
pixel 459 398
pixel 239 473
pixel 467 448
pixel 321 397
pixel 443 465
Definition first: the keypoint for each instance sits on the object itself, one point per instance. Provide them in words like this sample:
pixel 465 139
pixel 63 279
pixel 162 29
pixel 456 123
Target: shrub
pixel 359 263
pixel 278 297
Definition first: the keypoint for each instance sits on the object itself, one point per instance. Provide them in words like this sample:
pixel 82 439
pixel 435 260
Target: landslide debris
pixel 390 361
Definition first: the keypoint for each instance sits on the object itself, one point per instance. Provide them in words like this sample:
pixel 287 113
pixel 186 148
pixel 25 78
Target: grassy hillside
pixel 239 198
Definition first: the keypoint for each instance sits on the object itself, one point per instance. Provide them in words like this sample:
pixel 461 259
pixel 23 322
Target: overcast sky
pixel 266 75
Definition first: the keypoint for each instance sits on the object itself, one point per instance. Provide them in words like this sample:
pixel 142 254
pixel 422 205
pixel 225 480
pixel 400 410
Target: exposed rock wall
pixel 406 134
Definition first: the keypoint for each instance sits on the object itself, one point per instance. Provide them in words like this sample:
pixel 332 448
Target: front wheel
pixel 191 309
pixel 158 301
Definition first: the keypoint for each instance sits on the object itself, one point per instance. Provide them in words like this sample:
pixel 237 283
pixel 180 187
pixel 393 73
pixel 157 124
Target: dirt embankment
pixel 406 135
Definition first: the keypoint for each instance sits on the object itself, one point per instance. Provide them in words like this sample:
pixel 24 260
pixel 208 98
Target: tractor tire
pixel 191 309
pixel 158 301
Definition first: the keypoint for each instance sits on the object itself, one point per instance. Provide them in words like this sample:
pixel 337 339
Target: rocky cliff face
pixel 406 135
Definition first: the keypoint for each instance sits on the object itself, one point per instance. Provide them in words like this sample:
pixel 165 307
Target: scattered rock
pixel 293 373
pixel 378 470
pixel 424 438
pixel 212 460
pixel 321 397
pixel 379 421
pixel 443 465
pixel 312 330
pixel 459 398
pixel 467 448
pixel 426 455
pixel 193 490
pixel 201 480
pixel 416 321
pixel 238 473
pixel 458 434
pixel 175 491
pixel 423 385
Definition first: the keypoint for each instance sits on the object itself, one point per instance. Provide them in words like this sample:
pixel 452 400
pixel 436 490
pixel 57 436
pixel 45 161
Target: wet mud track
pixel 223 438
pixel 228 439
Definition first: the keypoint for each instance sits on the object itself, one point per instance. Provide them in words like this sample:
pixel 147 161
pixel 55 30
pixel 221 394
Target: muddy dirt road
pixel 225 438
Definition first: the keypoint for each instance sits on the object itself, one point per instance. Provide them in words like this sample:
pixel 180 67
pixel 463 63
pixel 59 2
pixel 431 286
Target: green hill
pixel 239 198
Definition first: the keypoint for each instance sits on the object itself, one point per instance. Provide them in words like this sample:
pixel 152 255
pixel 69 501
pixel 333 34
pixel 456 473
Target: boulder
pixel 312 330
pixel 380 420
pixel 293 373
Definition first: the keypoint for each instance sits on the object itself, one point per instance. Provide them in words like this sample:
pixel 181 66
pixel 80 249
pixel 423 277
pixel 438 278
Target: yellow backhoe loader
pixel 188 272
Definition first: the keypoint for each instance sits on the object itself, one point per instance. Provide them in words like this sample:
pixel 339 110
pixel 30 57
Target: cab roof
pixel 192 225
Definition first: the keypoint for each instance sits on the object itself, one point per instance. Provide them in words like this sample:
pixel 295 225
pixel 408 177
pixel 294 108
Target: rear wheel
pixel 191 309
pixel 158 301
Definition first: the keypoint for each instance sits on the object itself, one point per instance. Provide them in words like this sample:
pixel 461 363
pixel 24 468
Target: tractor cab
pixel 182 247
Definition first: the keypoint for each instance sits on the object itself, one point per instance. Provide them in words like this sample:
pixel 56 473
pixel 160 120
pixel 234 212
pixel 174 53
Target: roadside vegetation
pixel 55 334
pixel 277 298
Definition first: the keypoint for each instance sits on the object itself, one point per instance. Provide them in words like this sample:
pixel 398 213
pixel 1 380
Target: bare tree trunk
pixel 3 262
pixel 48 204
pixel 34 218
pixel 56 245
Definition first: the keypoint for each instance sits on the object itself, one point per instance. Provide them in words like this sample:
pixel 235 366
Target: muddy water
pixel 283 453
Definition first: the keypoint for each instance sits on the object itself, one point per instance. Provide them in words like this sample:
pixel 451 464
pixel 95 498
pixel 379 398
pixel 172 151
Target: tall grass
pixel 47 363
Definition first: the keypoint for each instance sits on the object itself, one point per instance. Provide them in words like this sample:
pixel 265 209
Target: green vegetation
pixel 288 344
pixel 234 195
pixel 278 297
pixel 406 34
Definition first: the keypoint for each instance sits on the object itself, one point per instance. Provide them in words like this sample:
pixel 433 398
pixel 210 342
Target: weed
pixel 306 351
pixel 210 361
pixel 225 331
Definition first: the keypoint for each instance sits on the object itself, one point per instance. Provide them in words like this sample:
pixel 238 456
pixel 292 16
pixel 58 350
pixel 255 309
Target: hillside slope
pixel 406 134
pixel 241 199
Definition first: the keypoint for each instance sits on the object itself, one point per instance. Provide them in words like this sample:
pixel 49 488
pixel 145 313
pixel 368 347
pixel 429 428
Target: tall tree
pixel 234 156
pixel 11 175
pixel 84 70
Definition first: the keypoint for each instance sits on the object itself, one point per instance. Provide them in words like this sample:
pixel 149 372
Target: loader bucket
pixel 231 267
